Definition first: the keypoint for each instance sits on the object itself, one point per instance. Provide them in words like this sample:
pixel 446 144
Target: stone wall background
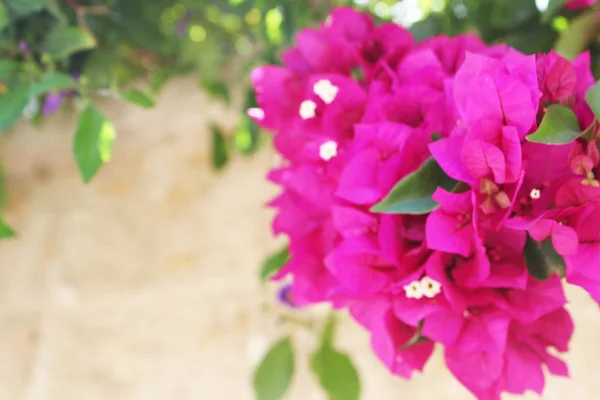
pixel 142 285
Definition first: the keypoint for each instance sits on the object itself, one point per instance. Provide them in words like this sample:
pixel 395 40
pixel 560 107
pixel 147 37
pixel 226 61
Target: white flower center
pixel 429 287
pixel 326 90
pixel 328 150
pixel 307 109
pixel 329 21
pixel 535 194
pixel 413 290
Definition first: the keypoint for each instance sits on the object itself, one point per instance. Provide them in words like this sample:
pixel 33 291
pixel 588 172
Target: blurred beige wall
pixel 142 285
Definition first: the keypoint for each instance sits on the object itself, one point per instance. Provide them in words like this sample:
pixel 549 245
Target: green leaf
pixel 139 98
pixel 273 264
pixel 220 154
pixel 12 105
pixel 3 16
pixel 246 136
pixel 52 82
pixel 581 32
pixel 93 142
pixel 537 263
pixel 5 230
pixel 25 7
pixel 66 40
pixel 334 369
pixel 559 126
pixel 412 195
pixel 216 88
pixel 7 68
pixel 556 260
pixel 274 374
pixel 554 7
pixel 592 96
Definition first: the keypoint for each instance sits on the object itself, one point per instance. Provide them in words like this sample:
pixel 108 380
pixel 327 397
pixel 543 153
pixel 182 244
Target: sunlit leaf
pixel 592 97
pixel 93 142
pixel 3 16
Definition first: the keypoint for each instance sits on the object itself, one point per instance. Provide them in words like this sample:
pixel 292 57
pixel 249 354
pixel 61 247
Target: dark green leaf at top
pixel 274 263
pixel 25 7
pixel 559 126
pixel 334 369
pixel 412 195
pixel 554 7
pixel 65 40
pixel 3 16
pixel 274 374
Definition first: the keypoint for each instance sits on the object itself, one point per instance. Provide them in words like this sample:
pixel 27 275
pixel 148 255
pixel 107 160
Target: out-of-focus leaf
pixel 99 69
pixel 246 136
pixel 53 7
pixel 582 31
pixel 12 105
pixel 220 153
pixel 25 7
pixel 93 142
pixel 216 88
pixel 51 82
pixel 3 16
pixel 5 230
pixel 139 98
pixel 63 41
pixel 508 14
pixel 273 20
pixel 554 7
pixel 274 374
pixel 334 369
pixel 274 263
pixel 592 97
pixel 7 68
pixel 532 39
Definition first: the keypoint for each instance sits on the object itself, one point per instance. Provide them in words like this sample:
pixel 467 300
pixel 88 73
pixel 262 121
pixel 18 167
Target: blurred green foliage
pixel 66 53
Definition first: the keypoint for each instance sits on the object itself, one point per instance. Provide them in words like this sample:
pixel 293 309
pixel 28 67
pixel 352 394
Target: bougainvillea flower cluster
pixel 428 189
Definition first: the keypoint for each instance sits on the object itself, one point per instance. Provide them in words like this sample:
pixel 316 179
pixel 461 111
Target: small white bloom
pixel 329 21
pixel 328 150
pixel 414 290
pixel 430 287
pixel 307 109
pixel 326 90
pixel 256 113
pixel 535 194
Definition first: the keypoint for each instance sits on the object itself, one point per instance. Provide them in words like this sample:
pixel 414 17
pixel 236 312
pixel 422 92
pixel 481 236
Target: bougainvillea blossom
pixel 454 267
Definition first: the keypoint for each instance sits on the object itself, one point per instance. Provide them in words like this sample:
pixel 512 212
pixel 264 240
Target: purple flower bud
pixel 52 103
pixel 285 296
pixel 24 47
